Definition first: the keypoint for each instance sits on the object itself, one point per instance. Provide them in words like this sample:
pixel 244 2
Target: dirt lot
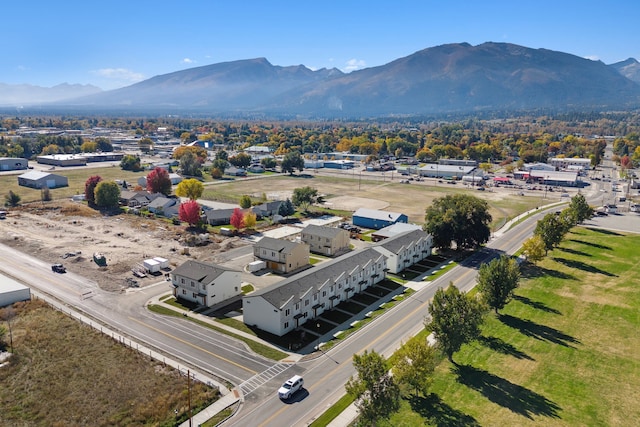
pixel 69 233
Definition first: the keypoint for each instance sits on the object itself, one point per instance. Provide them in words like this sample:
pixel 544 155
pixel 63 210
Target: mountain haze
pixel 449 78
pixel 21 94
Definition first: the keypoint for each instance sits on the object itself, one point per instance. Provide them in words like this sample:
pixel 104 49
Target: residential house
pixel 205 284
pixel 165 206
pixel 218 216
pixel 137 199
pixel 285 306
pixel 375 219
pixel 37 179
pixel 234 171
pixel 405 249
pixel 329 241
pixel 175 178
pixel 267 209
pixel 282 256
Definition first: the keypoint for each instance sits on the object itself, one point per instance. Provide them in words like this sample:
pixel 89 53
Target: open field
pixel 410 199
pixel 64 373
pixel 562 353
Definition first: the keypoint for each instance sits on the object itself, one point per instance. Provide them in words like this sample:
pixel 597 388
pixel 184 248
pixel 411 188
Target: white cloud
pixel 188 61
pixel 119 74
pixel 592 57
pixel 354 64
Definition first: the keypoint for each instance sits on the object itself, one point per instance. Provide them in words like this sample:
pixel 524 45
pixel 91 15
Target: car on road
pixel 58 268
pixel 290 387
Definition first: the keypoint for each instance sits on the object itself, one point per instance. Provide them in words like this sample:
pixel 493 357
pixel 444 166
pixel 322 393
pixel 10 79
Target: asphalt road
pixel 215 354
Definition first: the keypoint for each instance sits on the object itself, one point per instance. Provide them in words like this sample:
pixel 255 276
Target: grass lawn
pixel 563 352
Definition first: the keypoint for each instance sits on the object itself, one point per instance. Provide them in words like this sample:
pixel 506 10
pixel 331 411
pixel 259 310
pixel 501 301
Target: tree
pixel 415 363
pixel 103 144
pixel 12 199
pixel 461 218
pixel 268 162
pixel 199 152
pixel 189 212
pixel 216 173
pixel 533 248
pixel 580 208
pixel 222 155
pixel 145 145
pixel 250 220
pixel 190 188
pixel 551 230
pixel 89 147
pixel 497 280
pixel 292 160
pixel 107 194
pixel 455 319
pixel 158 181
pixel 377 394
pixel 240 160
pixel 90 187
pixel 190 164
pixel 220 164
pixel 286 209
pixel 237 219
pixel 245 201
pixel 130 162
pixel 7 314
pixel 305 196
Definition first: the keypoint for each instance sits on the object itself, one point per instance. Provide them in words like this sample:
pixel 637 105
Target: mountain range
pixel 451 78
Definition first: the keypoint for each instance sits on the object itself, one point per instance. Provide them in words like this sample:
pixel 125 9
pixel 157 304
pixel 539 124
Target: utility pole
pixel 189 395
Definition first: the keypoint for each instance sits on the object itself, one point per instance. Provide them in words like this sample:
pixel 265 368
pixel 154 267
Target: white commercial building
pixel 12 291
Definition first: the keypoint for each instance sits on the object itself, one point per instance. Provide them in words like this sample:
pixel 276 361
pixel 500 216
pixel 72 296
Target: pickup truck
pixel 58 268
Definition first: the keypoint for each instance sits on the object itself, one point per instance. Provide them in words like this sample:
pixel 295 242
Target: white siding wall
pixel 227 285
pixel 257 311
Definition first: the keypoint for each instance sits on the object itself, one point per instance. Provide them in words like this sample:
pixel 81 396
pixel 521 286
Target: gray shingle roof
pixel 318 230
pixel 276 245
pixel 395 243
pixel 279 293
pixel 199 271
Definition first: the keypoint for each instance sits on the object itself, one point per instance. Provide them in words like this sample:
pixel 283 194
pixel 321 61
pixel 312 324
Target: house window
pixel 192 284
pixel 195 295
pixel 235 288
pixel 286 312
pixel 315 297
pixel 331 288
pixel 324 293
pixel 339 285
pixel 306 302
pixel 297 306
pixel 328 240
pixel 286 325
pixel 182 280
pixel 184 292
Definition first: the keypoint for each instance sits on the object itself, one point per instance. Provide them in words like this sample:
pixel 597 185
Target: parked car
pixel 290 387
pixel 58 268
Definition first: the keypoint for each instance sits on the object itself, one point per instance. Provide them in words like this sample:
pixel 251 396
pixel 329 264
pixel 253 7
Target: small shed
pixel 12 291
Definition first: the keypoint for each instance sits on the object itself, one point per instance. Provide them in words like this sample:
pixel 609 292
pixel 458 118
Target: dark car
pixel 58 268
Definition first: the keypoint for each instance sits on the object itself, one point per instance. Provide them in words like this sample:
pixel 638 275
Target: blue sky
pixel 116 43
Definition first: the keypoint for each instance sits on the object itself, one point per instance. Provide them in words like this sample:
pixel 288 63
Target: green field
pixel 564 352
